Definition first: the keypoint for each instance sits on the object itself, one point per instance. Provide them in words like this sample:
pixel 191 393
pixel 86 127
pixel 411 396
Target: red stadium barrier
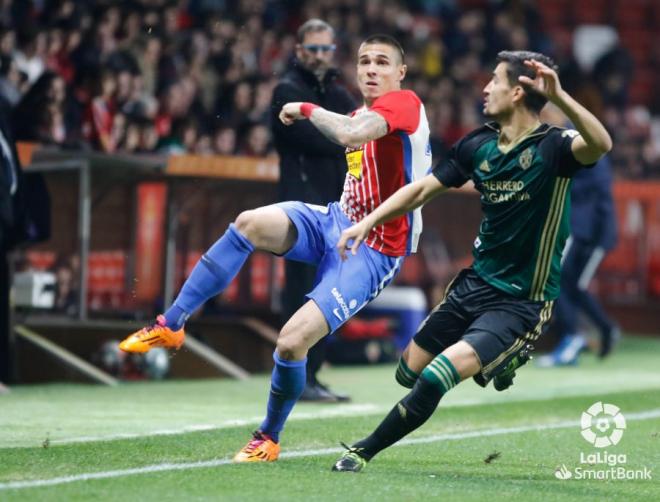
pixel 260 274
pixel 632 269
pixel 106 283
pixel 40 260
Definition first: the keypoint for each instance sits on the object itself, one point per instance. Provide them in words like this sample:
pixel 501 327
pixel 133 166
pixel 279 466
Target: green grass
pixel 82 422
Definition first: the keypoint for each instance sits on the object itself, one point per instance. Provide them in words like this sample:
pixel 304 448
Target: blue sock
pixel 211 275
pixel 286 386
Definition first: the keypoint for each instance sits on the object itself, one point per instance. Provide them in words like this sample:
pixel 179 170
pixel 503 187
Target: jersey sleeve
pixel 567 164
pixel 400 109
pixel 457 167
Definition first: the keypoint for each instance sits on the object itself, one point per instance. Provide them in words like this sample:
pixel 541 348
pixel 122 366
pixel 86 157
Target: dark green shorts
pixel 496 324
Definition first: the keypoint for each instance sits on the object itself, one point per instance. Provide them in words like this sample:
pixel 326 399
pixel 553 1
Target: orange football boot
pixel 156 335
pixel 260 449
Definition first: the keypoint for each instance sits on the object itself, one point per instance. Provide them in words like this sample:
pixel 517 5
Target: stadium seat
pixel 632 13
pixel 554 14
pixel 591 12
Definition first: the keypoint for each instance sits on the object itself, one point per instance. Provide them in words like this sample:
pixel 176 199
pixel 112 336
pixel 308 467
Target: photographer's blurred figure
pixel 312 168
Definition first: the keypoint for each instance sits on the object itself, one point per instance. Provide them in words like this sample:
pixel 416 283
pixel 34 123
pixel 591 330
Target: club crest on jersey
pixel 354 162
pixel 484 166
pixel 526 158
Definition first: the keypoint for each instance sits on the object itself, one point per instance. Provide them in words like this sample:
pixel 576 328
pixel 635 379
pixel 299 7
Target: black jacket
pixel 11 205
pixel 593 215
pixel 312 168
pixel 25 214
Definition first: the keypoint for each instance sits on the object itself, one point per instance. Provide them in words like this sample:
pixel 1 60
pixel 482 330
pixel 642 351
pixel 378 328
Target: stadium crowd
pixel 197 75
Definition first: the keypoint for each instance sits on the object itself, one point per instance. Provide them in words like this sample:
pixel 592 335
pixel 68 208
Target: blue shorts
pixel 341 288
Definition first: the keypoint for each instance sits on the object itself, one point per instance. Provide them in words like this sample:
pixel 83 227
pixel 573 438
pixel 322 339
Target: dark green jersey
pixel 525 198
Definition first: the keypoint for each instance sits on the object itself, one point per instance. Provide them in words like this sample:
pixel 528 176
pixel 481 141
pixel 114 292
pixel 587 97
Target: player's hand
pixel 290 113
pixel 356 234
pixel 546 81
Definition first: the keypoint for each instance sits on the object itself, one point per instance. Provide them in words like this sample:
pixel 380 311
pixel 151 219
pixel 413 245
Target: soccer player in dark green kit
pixel 494 309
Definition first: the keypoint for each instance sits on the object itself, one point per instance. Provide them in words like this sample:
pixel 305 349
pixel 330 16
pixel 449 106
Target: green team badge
pixel 526 158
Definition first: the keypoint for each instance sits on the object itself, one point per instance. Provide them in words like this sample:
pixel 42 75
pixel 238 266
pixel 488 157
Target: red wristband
pixel 306 109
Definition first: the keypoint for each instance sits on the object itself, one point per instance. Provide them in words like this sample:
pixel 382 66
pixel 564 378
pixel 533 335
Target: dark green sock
pixel 442 372
pixel 405 376
pixel 414 409
pixel 409 413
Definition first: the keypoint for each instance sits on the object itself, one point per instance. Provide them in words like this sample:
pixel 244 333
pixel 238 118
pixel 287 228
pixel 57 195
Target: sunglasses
pixel 317 47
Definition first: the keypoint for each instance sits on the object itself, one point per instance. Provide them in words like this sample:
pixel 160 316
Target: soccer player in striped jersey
pixel 493 310
pixel 387 146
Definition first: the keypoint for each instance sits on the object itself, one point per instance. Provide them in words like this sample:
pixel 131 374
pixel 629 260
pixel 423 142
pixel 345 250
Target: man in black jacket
pixel 11 198
pixel 593 235
pixel 312 168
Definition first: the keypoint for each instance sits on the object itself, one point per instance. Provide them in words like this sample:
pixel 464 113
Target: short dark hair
pixel 516 67
pixel 381 38
pixel 313 26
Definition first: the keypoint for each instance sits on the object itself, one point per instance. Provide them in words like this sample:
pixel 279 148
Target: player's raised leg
pixel 307 326
pixel 266 228
pixel 455 364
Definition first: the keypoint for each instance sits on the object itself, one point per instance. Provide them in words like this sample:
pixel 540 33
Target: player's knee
pixel 290 347
pixel 247 224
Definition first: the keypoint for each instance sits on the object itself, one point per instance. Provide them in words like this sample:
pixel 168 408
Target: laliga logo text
pixel 602 425
pixel 608 423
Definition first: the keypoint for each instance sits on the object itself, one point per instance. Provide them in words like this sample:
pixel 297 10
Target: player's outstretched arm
pixel 352 132
pixel 594 140
pixel 404 200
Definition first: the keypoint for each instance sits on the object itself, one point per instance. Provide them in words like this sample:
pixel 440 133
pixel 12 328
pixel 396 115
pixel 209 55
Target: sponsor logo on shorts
pixel 342 305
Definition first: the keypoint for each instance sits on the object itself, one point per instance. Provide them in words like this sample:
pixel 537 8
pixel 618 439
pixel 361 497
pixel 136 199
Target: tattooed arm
pixel 347 131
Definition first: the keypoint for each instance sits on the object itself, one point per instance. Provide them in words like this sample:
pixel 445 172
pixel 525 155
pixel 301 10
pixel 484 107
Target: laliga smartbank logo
pixel 602 425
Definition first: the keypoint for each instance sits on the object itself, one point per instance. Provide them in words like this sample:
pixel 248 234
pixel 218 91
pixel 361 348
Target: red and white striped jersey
pixel 380 167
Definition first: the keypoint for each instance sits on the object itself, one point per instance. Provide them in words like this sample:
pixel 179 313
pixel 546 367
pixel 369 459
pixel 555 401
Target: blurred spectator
pixel 99 118
pixel 217 61
pixel 66 294
pixel 204 145
pixel 236 111
pixel 183 139
pixel 224 141
pixel 257 141
pixel 133 137
pixel 7 41
pixel 613 73
pixel 31 52
pixel 39 116
pixel 11 81
pixel 148 136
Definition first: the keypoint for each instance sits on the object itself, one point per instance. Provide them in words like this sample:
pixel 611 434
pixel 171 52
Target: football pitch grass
pixel 174 440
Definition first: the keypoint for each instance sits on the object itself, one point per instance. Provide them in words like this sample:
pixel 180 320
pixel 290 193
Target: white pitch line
pixel 342 410
pixel 348 410
pixel 16 485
